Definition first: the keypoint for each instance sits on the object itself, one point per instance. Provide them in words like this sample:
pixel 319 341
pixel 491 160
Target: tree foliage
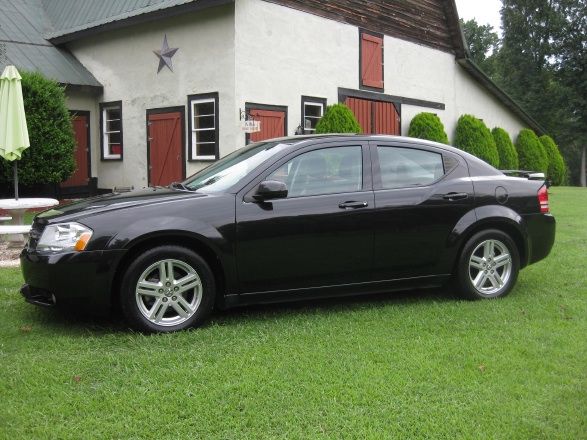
pixel 540 62
pixel 508 156
pixel 483 44
pixel 428 126
pixel 531 153
pixel 49 159
pixel 473 136
pixel 556 165
pixel 338 118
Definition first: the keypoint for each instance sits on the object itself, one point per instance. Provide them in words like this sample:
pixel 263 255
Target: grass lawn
pixel 410 365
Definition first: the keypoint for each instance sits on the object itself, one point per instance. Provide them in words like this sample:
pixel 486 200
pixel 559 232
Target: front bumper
pixel 71 278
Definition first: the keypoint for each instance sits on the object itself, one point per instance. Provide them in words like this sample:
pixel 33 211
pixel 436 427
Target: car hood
pixel 114 202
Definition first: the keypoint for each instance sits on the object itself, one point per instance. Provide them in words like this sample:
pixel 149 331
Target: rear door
pixel 321 234
pixel 421 193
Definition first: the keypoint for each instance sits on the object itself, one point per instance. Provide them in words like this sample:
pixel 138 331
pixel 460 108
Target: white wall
pixel 420 72
pixel 282 54
pixel 124 62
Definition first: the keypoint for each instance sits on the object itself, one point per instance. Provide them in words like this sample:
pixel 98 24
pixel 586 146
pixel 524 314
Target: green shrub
pixel 50 158
pixel 556 164
pixel 338 118
pixel 474 137
pixel 428 126
pixel 531 153
pixel 508 156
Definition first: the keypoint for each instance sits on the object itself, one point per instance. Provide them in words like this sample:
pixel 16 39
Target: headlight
pixel 64 236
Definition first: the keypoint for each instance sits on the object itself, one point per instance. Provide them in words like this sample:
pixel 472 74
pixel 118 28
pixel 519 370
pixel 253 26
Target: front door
pixel 166 161
pixel 81 130
pixel 273 124
pixel 320 234
pixel 375 117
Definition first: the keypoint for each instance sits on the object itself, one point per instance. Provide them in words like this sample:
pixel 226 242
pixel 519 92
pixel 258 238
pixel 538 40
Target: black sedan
pixel 289 219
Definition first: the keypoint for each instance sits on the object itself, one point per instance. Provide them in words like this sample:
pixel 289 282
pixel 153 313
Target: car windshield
pixel 232 168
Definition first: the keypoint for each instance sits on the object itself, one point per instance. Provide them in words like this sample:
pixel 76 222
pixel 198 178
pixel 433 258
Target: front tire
pixel 166 289
pixel 488 266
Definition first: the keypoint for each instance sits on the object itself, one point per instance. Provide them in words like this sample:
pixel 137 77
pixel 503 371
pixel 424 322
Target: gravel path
pixel 8 256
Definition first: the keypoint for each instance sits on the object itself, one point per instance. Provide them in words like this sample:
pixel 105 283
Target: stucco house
pixel 159 88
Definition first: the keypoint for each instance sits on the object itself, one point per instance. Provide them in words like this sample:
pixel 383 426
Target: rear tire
pixel 488 265
pixel 166 289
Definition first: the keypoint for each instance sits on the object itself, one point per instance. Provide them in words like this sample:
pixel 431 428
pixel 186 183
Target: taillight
pixel 543 199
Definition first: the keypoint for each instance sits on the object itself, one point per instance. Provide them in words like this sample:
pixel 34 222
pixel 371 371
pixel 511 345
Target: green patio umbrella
pixel 14 136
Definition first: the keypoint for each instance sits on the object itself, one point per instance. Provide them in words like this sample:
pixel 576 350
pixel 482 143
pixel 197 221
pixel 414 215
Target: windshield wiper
pixel 179 185
pixel 210 181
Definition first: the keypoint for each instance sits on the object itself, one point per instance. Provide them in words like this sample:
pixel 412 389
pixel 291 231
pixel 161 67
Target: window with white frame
pixel 111 127
pixel 312 111
pixel 203 126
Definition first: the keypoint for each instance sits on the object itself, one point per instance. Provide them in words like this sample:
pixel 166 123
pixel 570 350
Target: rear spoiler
pixel 530 175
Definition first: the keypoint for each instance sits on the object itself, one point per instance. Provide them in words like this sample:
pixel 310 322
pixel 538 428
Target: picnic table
pixel 16 209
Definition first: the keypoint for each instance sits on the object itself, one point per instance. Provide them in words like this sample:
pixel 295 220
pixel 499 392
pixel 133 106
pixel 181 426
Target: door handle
pixel 353 205
pixel 455 196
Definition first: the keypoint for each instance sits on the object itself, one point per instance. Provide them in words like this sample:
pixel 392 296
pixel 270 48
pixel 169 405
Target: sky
pixel 484 11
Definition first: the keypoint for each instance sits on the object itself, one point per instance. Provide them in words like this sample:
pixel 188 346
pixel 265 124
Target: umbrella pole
pixel 15 180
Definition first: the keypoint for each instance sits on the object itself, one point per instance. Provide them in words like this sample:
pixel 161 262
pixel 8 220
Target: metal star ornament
pixel 165 55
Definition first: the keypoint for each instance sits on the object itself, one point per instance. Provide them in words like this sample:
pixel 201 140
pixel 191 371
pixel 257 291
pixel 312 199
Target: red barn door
pixel 272 124
pixel 375 117
pixel 166 161
pixel 81 130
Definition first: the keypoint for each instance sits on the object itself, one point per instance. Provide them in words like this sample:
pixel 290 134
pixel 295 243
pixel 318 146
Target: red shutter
pixel 371 61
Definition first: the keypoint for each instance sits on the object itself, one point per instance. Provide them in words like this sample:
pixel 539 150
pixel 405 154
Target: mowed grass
pixel 419 364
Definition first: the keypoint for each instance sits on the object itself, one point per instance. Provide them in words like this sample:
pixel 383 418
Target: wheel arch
pixel 502 219
pixel 190 241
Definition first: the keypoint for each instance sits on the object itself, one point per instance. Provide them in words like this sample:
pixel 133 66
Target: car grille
pixel 35 235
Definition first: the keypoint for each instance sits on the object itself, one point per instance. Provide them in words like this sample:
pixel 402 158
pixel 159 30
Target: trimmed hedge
pixel 473 136
pixel 508 156
pixel 557 169
pixel 50 158
pixel 531 153
pixel 428 126
pixel 338 118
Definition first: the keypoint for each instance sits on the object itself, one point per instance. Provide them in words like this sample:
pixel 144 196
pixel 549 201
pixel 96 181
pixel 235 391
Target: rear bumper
pixel 74 278
pixel 541 230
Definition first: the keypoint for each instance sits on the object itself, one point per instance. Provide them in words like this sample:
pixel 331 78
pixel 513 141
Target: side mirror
pixel 270 189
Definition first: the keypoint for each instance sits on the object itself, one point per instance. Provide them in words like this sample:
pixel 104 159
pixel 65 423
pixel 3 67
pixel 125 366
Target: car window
pixel 229 170
pixel 403 167
pixel 324 171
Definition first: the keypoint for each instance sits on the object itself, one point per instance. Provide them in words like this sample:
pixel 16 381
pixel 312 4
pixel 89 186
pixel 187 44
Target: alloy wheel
pixel 490 267
pixel 168 292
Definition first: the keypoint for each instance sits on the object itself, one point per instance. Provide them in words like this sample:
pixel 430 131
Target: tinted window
pixel 403 167
pixel 326 171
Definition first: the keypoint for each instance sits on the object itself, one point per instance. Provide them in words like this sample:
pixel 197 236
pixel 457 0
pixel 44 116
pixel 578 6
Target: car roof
pixel 301 140
pixel 297 140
